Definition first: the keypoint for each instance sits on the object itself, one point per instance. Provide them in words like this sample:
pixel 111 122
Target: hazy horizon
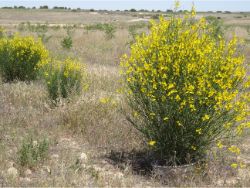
pixel 201 5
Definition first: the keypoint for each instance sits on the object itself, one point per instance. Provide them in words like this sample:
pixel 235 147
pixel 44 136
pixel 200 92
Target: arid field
pixel 90 142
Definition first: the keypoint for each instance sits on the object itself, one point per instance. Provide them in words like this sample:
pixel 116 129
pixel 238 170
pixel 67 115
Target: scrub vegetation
pixel 99 98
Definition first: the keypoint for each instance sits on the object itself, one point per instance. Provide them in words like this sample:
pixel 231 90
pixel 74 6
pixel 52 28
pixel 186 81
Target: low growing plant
pixel 67 42
pixel 70 29
pixel 20 58
pixel 33 27
pixel 94 27
pixel 45 38
pixel 64 78
pixel 2 32
pixel 186 89
pixel 21 26
pixel 217 24
pixel 32 152
pixel 109 29
pixel 132 29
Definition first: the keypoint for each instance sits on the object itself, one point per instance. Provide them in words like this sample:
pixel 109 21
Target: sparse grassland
pixel 90 141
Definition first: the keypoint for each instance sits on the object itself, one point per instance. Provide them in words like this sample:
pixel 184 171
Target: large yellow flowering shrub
pixel 64 78
pixel 20 58
pixel 187 89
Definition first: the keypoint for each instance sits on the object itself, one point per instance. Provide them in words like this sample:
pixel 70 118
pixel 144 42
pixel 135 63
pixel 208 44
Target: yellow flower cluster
pixel 21 57
pixel 234 149
pixel 25 47
pixel 64 77
pixel 158 60
pixel 151 142
pixel 191 70
pixel 180 71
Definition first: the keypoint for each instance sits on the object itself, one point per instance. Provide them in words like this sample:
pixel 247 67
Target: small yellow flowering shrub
pixel 20 58
pixel 187 89
pixel 64 78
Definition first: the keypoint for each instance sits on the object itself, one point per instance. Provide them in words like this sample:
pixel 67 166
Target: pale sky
pixel 201 5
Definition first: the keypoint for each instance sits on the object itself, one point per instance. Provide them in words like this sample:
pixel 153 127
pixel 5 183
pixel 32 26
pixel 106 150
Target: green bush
pixel 94 27
pixel 186 89
pixel 132 29
pixel 109 29
pixel 155 16
pixel 67 42
pixel 217 24
pixel 38 28
pixel 20 58
pixel 70 29
pixel 21 26
pixel 64 78
pixel 44 37
pixel 56 27
pixel 32 152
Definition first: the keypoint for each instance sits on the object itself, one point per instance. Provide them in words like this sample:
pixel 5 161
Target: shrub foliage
pixel 67 42
pixel 32 152
pixel 64 78
pixel 187 90
pixel 109 29
pixel 20 58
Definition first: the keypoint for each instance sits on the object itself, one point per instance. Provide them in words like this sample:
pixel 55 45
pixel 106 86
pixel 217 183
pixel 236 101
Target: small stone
pixel 12 171
pixel 83 157
pixel 28 172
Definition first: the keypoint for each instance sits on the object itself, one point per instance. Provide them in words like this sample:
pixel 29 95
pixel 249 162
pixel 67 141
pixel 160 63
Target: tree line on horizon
pixel 93 10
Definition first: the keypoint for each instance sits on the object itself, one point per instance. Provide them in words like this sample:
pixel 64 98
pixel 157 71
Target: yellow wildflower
pixel 198 131
pixel 193 148
pixel 177 98
pixel 104 100
pixel 234 165
pixel 205 117
pixel 151 142
pixel 234 149
pixel 135 114
pixel 179 123
pixel 242 165
pixel 177 4
pixel 220 145
pixel 165 118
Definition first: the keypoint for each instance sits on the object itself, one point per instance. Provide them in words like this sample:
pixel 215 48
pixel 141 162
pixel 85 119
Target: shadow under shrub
pixel 20 58
pixel 186 89
pixel 64 78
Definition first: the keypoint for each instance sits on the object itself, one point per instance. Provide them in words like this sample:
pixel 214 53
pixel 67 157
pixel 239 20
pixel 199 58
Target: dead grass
pixel 85 124
pixel 58 17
